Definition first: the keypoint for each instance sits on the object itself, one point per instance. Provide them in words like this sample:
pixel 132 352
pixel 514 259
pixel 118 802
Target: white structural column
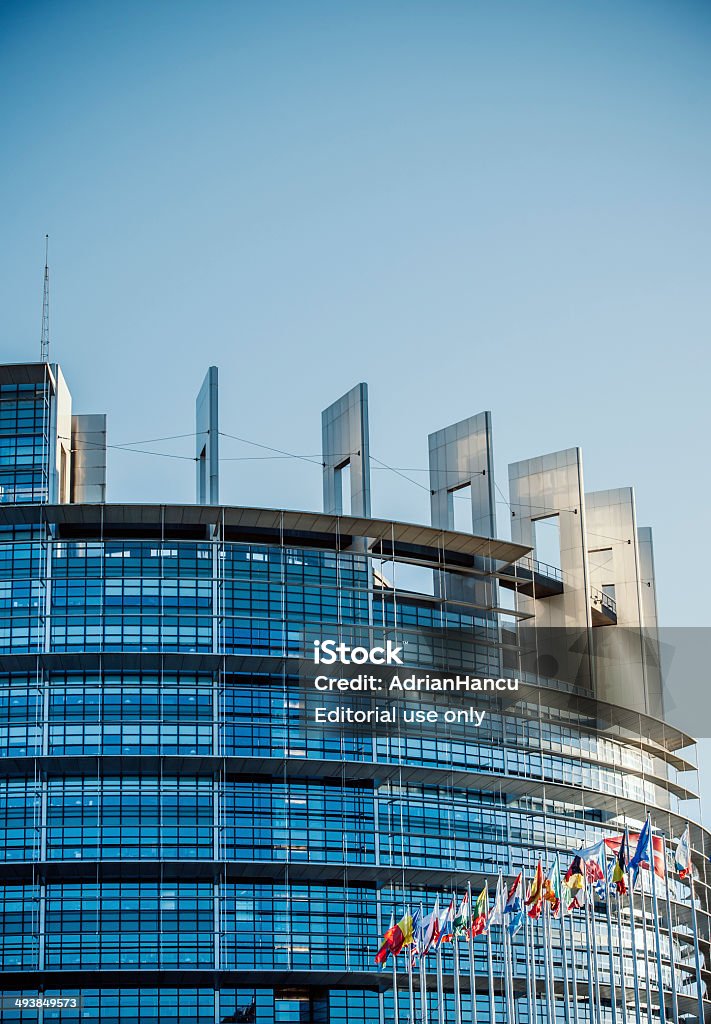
pixel 613 551
pixel 549 489
pixel 88 459
pixel 207 441
pixel 461 464
pixel 60 438
pixel 461 458
pixel 614 563
pixel 346 454
pixel 648 591
pixel 648 585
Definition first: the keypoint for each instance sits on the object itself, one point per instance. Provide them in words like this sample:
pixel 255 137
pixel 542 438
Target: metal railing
pixel 599 597
pixel 540 568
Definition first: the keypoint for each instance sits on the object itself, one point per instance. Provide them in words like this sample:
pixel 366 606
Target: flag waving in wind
pixel 460 928
pixel 397 936
pixel 575 881
pixel 615 842
pixel 414 951
pixel 387 946
pixel 513 911
pixel 480 912
pixel 428 930
pixel 682 856
pixel 496 914
pixel 444 925
pixel 620 870
pixel 552 889
pixel 534 900
pixel 594 860
pixel 642 856
pixel 408 936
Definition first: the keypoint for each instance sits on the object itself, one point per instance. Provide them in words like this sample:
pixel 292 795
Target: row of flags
pixel 591 871
pixel 426 932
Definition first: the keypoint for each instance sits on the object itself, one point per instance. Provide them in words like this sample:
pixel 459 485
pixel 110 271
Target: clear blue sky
pixel 468 205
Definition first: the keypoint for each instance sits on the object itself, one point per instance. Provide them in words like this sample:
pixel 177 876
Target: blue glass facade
pixel 175 843
pixel 24 442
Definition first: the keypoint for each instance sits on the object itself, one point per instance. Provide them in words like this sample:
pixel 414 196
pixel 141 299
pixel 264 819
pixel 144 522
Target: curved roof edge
pixel 385 535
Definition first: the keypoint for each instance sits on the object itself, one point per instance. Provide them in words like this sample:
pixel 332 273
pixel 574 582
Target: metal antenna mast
pixel 44 345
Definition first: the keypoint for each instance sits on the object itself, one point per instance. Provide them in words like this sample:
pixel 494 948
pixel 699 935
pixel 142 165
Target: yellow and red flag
pixel 534 899
pixel 397 936
pixel 480 913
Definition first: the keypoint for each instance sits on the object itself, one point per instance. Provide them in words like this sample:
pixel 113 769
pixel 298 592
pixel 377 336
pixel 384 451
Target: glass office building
pixel 178 843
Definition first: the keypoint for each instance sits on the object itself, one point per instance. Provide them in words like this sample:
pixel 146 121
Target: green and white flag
pixel 460 927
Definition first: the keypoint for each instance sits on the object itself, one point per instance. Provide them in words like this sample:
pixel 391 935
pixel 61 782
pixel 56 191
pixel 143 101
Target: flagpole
pixel 596 956
pixel 505 976
pixel 694 925
pixel 440 986
pixel 672 958
pixel 645 946
pixel 547 964
pixel 542 929
pixel 563 948
pixel 513 962
pixel 396 1017
pixel 551 918
pixel 530 968
pixel 505 1009
pixel 507 940
pixel 588 953
pixel 410 985
pixel 423 971
pixel 527 974
pixel 655 913
pixel 528 940
pixel 472 964
pixel 423 990
pixel 457 985
pixel 509 976
pixel 633 932
pixel 574 971
pixel 550 1013
pixel 620 944
pixel 490 958
pixel 610 951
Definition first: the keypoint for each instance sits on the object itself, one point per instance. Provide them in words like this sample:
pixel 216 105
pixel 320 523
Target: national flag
pixel 574 881
pixel 445 927
pixel 387 947
pixel 496 914
pixel 414 951
pixel 594 859
pixel 514 906
pixel 427 934
pixel 575 875
pixel 682 856
pixel 397 936
pixel 552 889
pixel 577 901
pixel 643 850
pixel 534 899
pixel 620 870
pixel 406 927
pixel 615 842
pixel 480 912
pixel 460 926
pixel 420 933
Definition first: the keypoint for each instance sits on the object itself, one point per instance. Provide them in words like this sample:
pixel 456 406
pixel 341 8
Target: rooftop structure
pixel 180 842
